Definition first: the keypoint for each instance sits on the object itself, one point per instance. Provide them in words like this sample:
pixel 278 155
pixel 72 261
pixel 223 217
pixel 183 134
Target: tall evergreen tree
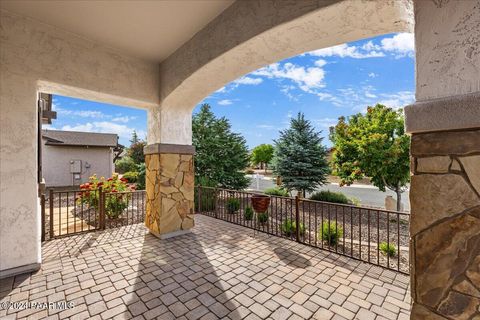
pixel 220 154
pixel 135 138
pixel 300 157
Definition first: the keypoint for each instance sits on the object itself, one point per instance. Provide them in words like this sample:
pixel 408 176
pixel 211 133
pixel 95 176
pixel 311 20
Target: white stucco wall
pixel 251 34
pixel 33 57
pixel 56 164
pixel 447 43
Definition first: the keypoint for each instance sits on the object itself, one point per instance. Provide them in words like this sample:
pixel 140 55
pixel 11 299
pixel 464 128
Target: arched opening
pixel 324 85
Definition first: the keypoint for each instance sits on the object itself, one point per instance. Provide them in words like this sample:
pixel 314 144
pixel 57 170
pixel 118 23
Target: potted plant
pixel 260 203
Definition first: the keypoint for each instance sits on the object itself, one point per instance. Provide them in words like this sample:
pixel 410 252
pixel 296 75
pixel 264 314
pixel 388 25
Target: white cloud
pixel 372 75
pixel 79 113
pixel 122 130
pixel 248 80
pixel 345 50
pixel 401 44
pixel 320 63
pixel 370 95
pixel 225 102
pixel 305 78
pixel 123 119
pixel 398 100
pixel 325 122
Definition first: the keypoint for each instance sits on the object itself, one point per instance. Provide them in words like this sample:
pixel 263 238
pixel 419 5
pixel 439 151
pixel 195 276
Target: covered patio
pixel 219 271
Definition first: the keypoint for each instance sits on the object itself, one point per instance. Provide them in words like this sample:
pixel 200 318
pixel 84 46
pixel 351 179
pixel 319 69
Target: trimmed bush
pixel 276 192
pixel 131 176
pixel 329 196
pixel 233 204
pixel 248 214
pixel 262 217
pixel 125 164
pixel 330 232
pixel 388 249
pixel 289 228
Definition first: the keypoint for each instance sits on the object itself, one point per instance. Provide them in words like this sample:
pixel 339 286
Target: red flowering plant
pixel 116 200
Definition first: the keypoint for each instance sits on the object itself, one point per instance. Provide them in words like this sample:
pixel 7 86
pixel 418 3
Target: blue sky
pixel 324 84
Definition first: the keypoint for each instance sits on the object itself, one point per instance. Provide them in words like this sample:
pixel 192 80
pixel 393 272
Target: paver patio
pixel 219 271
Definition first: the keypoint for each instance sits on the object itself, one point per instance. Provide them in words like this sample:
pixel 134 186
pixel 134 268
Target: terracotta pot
pixel 260 203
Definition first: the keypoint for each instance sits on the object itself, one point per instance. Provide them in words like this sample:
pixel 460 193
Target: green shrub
pixel 131 176
pixel 233 204
pixel 289 228
pixel 125 164
pixel 248 214
pixel 388 249
pixel 276 192
pixel 262 217
pixel 328 196
pixel 330 232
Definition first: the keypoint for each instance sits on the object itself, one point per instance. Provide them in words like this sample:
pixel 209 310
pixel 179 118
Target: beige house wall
pixel 56 164
pixel 37 57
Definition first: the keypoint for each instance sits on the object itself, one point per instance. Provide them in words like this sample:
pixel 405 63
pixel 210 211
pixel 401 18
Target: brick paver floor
pixel 219 271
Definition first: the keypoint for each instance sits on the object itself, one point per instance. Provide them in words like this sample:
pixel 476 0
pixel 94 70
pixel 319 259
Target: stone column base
pixel 445 224
pixel 170 189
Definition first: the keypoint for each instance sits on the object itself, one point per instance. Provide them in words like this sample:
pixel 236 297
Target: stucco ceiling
pixel 150 30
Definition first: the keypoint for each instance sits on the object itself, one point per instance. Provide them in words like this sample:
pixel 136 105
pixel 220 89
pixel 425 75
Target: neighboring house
pixel 69 158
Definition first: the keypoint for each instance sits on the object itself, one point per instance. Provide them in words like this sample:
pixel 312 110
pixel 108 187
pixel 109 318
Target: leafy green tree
pixel 300 157
pixel 373 145
pixel 262 154
pixel 221 155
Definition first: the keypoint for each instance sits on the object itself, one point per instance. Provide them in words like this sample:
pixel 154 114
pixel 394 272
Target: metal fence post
pixel 50 202
pixel 297 218
pixel 42 206
pixel 101 202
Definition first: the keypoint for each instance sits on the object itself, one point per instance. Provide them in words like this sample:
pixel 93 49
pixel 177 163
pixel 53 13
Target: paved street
pixel 368 195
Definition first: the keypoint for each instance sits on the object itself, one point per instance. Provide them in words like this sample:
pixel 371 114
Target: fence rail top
pixel 309 200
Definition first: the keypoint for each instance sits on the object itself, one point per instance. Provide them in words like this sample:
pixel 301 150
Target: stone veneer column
pixel 445 221
pixel 170 189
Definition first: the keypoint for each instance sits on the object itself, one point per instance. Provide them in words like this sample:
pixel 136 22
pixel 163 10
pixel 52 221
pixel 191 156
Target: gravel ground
pixel 363 228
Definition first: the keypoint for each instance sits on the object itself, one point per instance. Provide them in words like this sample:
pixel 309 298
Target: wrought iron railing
pixel 376 236
pixel 76 211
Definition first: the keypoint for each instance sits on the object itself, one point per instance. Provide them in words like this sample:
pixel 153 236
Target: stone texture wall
pixel 445 225
pixel 170 191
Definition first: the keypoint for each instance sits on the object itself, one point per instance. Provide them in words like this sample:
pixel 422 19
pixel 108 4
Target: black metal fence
pixel 376 236
pixel 75 211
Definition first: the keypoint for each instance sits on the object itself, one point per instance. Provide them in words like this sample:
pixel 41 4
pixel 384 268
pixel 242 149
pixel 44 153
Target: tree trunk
pixel 265 168
pixel 399 199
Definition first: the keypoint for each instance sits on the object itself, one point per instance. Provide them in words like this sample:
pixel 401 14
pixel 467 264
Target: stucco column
pixel 169 173
pixel 445 162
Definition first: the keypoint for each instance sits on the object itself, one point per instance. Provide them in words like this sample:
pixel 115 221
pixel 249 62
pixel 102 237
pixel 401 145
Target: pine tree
pixel 134 137
pixel 220 154
pixel 300 157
